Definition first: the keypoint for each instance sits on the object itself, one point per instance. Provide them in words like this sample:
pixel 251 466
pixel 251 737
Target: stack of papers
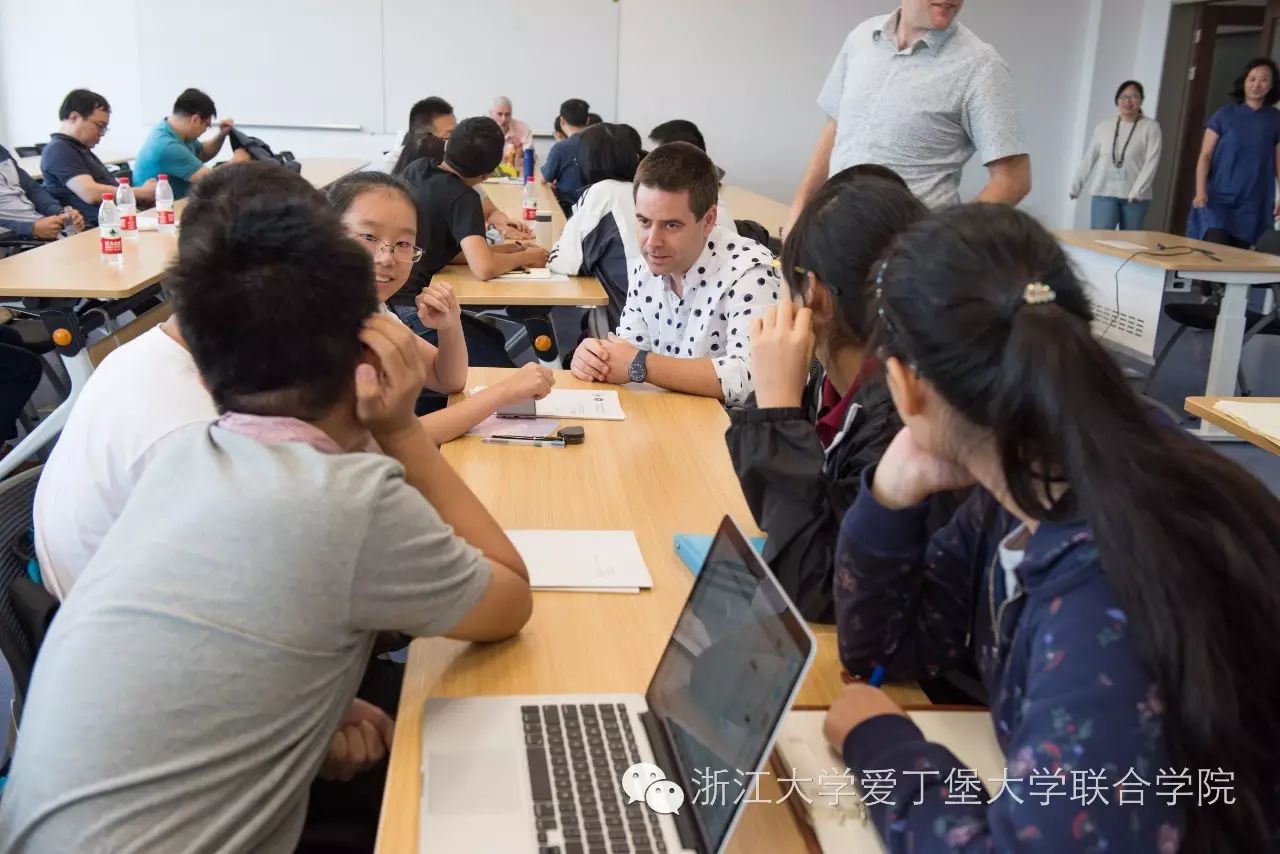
pixel 583 561
pixel 579 404
pixel 537 274
pixel 1258 416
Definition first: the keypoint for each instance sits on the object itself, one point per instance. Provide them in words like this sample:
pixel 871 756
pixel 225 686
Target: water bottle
pixel 542 230
pixel 128 208
pixel 69 226
pixel 109 231
pixel 528 164
pixel 529 201
pixel 165 222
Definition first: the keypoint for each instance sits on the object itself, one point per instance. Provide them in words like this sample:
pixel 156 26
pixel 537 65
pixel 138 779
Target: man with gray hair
pixel 921 94
pixel 518 134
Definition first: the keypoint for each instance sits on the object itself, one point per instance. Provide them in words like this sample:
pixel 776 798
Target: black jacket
pixel 799 493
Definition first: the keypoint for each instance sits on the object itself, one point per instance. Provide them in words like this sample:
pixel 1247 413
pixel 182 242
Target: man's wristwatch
pixel 638 372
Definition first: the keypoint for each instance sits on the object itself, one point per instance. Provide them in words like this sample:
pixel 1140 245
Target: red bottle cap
pixel 122 181
pixel 163 177
pixel 108 197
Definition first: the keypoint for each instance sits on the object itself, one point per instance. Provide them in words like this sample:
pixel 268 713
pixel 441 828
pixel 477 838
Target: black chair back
pixel 26 608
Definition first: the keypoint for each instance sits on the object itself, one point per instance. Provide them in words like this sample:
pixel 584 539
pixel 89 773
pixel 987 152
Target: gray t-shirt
pixel 191 683
pixel 923 111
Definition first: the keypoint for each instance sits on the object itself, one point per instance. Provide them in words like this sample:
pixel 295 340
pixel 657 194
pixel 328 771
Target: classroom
pixel 595 426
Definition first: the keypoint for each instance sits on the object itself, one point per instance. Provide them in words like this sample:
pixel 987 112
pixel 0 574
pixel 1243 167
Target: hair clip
pixel 1038 293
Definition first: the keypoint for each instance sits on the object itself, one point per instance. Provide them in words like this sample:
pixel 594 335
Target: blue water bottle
pixel 528 163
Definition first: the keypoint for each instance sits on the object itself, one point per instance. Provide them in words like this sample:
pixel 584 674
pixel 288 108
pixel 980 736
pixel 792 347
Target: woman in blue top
pixel 1239 162
pixel 1116 581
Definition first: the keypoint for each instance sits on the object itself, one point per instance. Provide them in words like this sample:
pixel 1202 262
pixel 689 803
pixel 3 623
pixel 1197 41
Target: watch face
pixel 637 372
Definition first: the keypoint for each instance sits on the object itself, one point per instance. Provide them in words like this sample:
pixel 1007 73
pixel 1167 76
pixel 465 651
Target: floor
pixel 1181 376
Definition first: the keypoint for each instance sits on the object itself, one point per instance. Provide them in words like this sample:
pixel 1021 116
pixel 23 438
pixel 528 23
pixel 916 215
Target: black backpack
pixel 259 150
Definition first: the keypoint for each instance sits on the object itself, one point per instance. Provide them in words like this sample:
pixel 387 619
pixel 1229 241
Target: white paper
pixel 537 274
pixel 585 405
pixel 504 180
pixel 1122 244
pixel 583 560
pixel 1262 417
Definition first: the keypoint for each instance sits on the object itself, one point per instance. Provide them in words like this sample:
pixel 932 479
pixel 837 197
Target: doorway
pixel 1209 44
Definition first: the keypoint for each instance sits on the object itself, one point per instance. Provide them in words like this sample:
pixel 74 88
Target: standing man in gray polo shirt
pixel 919 93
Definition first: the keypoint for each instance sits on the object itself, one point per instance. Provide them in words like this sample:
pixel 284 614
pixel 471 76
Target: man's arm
pixel 89 190
pixel 486 264
pixel 1010 180
pixel 209 148
pixel 816 174
pixel 41 199
pixel 691 376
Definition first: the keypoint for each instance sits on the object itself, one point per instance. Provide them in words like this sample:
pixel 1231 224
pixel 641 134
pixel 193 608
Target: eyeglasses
pixel 401 250
pixel 101 126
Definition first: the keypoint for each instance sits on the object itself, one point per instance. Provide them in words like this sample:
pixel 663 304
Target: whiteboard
pixel 300 63
pixel 536 52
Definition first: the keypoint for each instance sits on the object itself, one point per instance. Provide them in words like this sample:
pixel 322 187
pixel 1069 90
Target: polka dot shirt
pixel 732 283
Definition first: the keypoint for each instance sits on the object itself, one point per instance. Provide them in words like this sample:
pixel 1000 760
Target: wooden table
pixel 745 204
pixel 578 291
pixel 323 171
pixel 665 470
pixel 1203 407
pixel 32 164
pixel 1128 284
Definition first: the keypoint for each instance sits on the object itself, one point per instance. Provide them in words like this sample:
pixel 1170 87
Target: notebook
pixel 578 404
pixel 591 561
pixel 1258 416
pixel 537 274
pixel 842 824
pixel 693 548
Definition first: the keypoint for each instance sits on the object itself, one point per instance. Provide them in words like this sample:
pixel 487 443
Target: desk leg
pixel 1224 363
pixel 79 367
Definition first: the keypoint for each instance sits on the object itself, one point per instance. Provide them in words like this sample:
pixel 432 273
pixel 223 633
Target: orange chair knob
pixel 542 343
pixel 62 337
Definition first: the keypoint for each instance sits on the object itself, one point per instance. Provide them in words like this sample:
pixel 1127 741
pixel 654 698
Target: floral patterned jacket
pixel 1078 718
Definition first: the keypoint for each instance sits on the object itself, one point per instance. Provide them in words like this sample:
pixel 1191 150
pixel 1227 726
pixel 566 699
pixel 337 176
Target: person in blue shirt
pixel 173 147
pixel 71 172
pixel 1115 580
pixel 1239 162
pixel 561 170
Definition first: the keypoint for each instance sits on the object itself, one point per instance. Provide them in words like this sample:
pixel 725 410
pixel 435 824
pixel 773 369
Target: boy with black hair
pixel 561 170
pixel 70 171
pixel 451 213
pixel 432 116
pixel 173 147
pixel 261 552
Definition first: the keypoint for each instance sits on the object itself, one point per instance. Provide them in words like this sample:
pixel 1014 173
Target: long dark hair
pixel 843 230
pixel 1189 541
pixel 607 153
pixel 421 144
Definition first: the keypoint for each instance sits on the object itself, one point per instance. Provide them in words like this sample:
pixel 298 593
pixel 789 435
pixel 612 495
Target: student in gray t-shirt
pixel 921 94
pixel 190 685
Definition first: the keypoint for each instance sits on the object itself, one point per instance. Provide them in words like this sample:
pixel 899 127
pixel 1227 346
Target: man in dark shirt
pixel 71 172
pixel 451 213
pixel 561 170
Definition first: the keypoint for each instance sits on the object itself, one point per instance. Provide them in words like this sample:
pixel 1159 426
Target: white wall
pixel 747 72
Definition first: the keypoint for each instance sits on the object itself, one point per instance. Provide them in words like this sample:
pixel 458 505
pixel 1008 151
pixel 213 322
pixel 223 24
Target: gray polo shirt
pixel 923 111
pixel 188 690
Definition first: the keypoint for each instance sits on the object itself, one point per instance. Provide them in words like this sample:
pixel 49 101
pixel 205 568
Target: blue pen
pixel 877 676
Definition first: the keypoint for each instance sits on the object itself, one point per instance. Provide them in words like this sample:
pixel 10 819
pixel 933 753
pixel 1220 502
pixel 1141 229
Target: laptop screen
pixel 735 657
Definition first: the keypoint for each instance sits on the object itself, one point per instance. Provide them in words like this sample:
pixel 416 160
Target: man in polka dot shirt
pixel 687 322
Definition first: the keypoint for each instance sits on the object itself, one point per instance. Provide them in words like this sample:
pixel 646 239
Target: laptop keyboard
pixel 577 754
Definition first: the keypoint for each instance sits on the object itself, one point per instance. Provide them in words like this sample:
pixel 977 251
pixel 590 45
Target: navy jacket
pixel 40 198
pixel 1067 692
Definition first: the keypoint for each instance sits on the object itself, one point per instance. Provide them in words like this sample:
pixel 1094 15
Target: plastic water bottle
pixel 109 231
pixel 69 226
pixel 542 230
pixel 529 201
pixel 165 222
pixel 128 208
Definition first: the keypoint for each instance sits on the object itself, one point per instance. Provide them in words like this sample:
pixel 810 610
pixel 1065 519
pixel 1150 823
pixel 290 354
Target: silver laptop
pixel 578 773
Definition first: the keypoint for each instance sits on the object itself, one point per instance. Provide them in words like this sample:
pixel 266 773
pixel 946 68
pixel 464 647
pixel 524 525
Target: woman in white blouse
pixel 1119 166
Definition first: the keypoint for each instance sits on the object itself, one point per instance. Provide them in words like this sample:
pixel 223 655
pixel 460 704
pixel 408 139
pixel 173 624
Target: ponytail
pixel 1189 541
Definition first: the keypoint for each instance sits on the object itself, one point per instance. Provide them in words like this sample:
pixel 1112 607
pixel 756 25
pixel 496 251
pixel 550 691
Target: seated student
pixel 683 130
pixel 600 238
pixel 452 215
pixel 425 144
pixel 26 208
pixel 1113 578
pixel 71 172
pixel 173 147
pixel 800 452
pixel 261 553
pixel 148 389
pixel 379 211
pixel 687 322
pixel 431 115
pixel 561 170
